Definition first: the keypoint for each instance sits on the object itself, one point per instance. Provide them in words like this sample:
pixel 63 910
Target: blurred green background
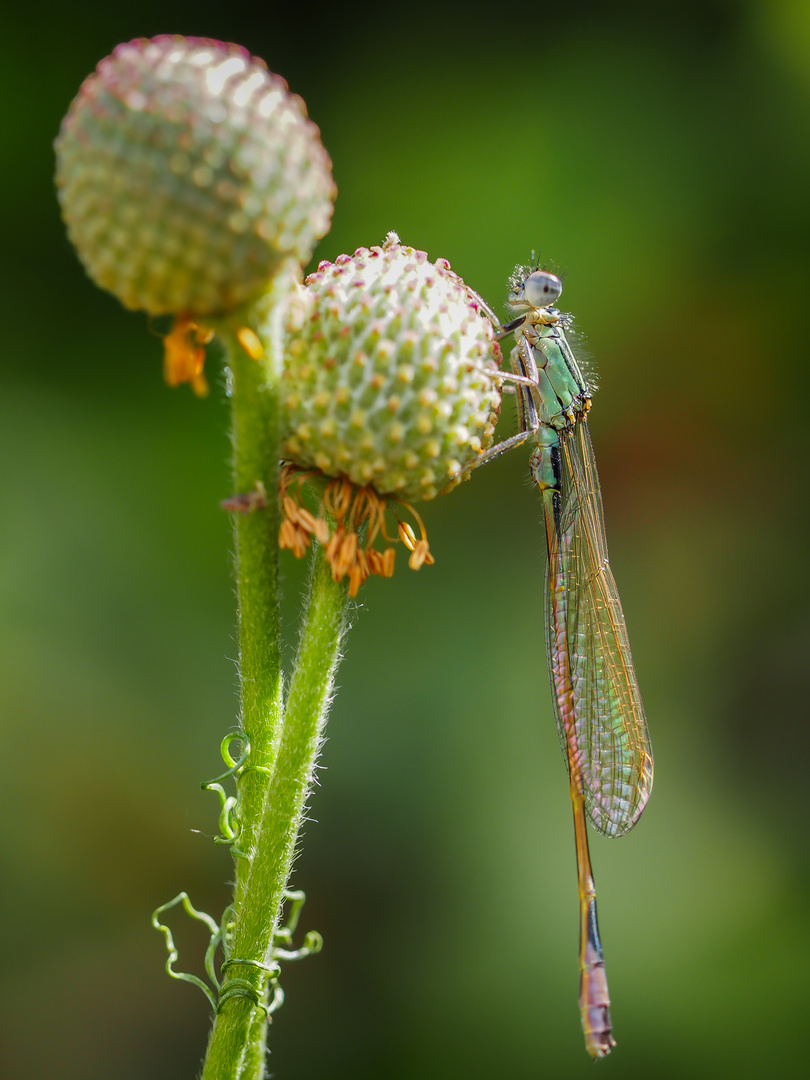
pixel 660 154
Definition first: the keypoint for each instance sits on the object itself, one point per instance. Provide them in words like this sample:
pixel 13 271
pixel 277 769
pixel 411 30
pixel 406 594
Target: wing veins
pixel 611 732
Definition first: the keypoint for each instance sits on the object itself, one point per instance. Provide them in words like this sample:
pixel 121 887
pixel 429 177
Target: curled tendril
pixel 171 948
pixel 230 828
pixel 242 988
pixel 229 825
pixel 220 939
pixel 225 751
pixel 313 942
pixel 278 998
pixel 274 970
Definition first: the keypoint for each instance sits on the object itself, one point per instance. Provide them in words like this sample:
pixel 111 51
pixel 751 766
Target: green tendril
pixel 242 988
pixel 313 944
pixel 229 825
pixel 274 970
pixel 219 939
pixel 171 948
pixel 296 898
pixel 278 998
pixel 225 752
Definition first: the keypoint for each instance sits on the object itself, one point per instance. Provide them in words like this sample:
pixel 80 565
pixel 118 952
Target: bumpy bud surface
pixel 386 377
pixel 187 173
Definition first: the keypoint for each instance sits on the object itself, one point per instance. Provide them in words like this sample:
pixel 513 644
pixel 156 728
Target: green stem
pixel 256 557
pixel 256 441
pixel 256 452
pixel 232 1051
pixel 256 1054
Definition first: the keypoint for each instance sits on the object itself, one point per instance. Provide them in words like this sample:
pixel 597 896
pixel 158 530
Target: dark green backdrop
pixel 659 153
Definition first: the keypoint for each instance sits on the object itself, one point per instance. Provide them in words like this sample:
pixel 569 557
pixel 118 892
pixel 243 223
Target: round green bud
pixel 188 173
pixel 387 373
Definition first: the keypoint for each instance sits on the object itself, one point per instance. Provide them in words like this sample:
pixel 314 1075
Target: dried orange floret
pixel 347 524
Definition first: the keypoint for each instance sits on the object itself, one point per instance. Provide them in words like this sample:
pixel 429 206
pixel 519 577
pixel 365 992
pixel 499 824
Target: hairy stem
pixel 256 442
pixel 233 1052
pixel 256 449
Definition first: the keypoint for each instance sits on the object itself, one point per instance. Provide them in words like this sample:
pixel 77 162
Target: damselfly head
pixel 539 289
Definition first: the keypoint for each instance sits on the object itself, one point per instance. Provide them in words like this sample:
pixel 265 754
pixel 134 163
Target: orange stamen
pixel 406 535
pixel 345 512
pixel 389 555
pixel 184 354
pixel 250 342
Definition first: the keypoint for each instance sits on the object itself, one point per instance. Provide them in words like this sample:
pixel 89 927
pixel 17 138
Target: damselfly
pixel 600 718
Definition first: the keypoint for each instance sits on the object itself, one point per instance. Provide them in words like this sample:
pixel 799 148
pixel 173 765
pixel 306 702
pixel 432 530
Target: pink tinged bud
pixel 390 373
pixel 188 174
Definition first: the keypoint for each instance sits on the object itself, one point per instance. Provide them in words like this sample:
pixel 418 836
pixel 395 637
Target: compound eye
pixel 541 289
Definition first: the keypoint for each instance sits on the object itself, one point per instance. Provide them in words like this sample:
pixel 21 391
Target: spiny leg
pixel 524 376
pixel 494 452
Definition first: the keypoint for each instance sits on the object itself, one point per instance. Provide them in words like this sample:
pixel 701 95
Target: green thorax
pixel 563 393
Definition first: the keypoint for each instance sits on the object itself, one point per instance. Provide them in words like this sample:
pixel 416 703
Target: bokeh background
pixel 659 153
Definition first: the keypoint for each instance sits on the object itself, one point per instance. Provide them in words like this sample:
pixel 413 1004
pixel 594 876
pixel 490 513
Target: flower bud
pixel 387 373
pixel 188 174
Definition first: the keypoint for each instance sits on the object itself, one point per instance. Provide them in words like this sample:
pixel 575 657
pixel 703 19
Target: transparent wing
pixel 600 717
